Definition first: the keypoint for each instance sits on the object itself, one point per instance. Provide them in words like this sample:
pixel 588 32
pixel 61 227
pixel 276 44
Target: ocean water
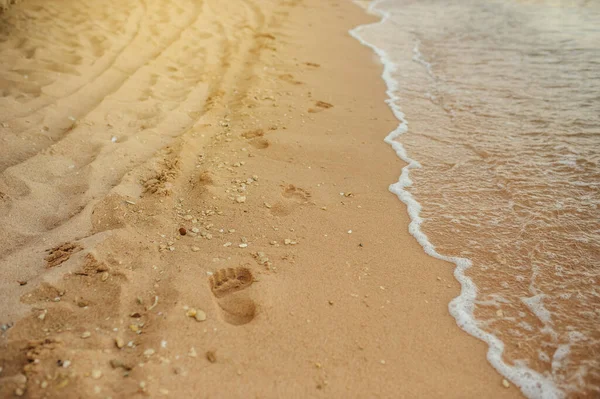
pixel 499 110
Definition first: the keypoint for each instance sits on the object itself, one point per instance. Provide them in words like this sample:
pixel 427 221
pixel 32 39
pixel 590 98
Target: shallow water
pixel 502 104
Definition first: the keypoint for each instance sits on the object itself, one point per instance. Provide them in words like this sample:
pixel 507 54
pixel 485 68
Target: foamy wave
pixel 531 383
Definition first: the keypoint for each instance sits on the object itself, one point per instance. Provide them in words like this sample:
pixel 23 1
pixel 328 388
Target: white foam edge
pixel 531 383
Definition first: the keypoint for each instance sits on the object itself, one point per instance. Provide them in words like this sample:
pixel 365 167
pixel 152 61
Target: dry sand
pixel 257 128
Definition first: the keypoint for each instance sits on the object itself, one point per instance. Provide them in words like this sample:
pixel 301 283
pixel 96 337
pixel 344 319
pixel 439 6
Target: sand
pixel 6 4
pixel 194 203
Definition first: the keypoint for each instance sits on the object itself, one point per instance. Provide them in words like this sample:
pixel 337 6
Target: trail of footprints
pixel 162 98
pixel 179 78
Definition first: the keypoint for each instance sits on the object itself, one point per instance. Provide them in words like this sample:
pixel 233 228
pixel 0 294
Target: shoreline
pixel 337 311
pixel 531 383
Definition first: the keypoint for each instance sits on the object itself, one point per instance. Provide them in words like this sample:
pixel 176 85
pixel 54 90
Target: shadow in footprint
pixel 228 285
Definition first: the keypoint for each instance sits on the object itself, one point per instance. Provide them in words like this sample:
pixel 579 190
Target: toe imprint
pixel 295 193
pixel 227 281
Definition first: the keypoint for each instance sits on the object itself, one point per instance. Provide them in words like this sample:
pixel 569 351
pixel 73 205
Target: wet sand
pixel 194 202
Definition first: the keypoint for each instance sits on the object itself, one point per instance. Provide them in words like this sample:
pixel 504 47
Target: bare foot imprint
pixel 290 79
pixel 251 134
pixel 236 307
pixel 321 105
pixel 293 197
pixel 255 139
pixel 312 64
pixel 296 193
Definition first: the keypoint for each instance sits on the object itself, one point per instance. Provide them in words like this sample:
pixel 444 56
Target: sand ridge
pixel 196 192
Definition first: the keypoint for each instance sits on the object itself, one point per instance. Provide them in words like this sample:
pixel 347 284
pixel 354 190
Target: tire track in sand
pixel 107 81
pixel 33 207
pixel 66 180
pixel 159 106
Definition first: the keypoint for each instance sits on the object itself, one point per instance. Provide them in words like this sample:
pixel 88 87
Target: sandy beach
pixel 194 203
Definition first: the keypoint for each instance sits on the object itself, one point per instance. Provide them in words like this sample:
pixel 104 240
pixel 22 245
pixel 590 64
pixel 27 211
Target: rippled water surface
pixel 502 101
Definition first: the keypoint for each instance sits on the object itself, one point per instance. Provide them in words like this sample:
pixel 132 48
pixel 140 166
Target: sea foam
pixel 531 383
